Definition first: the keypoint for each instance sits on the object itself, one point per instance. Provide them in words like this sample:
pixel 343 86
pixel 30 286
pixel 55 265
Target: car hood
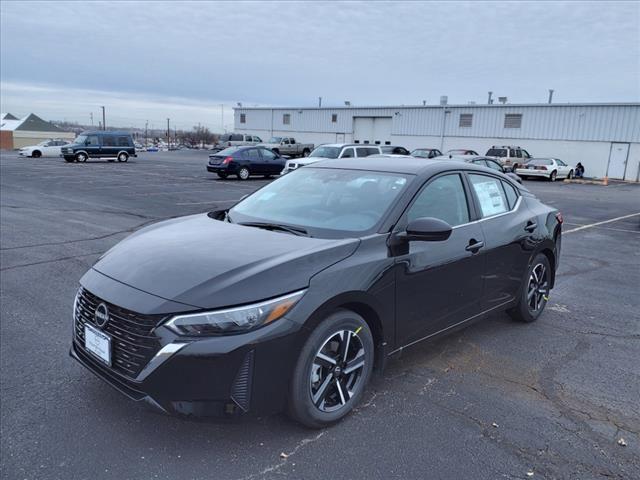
pixel 307 160
pixel 207 263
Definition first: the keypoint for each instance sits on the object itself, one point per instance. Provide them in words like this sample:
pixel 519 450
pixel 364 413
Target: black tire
pixel 570 176
pixel 268 176
pixel 81 157
pixel 123 157
pixel 69 160
pixel 524 311
pixel 552 177
pixel 337 393
pixel 305 152
pixel 243 173
pixel 222 175
pixel 36 154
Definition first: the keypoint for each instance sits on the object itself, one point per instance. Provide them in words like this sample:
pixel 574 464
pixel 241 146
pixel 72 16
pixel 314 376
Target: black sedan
pixel 245 161
pixel 295 295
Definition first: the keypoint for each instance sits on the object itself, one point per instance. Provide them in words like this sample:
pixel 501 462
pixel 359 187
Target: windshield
pixel 326 152
pixel 275 140
pixel 497 152
pixel 81 139
pixel 422 153
pixel 323 201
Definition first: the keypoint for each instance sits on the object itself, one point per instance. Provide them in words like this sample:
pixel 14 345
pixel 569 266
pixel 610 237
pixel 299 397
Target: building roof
pixel 449 105
pixel 30 123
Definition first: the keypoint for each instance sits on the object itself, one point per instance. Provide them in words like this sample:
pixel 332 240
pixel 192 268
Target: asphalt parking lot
pixel 498 400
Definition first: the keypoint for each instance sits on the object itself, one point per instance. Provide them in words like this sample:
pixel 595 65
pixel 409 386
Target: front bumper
pixel 208 376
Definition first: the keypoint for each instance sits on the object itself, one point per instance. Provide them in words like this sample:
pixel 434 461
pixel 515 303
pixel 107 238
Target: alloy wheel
pixel 243 174
pixel 538 288
pixel 336 371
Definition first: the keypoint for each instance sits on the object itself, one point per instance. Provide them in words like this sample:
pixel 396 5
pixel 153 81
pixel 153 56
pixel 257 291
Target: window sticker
pixel 490 198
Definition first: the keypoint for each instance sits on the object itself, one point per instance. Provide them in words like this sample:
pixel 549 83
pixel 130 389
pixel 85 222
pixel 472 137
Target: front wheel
pixel 332 370
pixel 243 173
pixel 81 157
pixel 570 176
pixel 36 154
pixel 535 293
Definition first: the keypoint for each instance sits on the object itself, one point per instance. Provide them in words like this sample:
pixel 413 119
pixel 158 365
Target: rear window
pixel 228 151
pixel 497 152
pixel 540 161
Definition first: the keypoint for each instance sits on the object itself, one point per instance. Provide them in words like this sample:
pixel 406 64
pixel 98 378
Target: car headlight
pixel 233 320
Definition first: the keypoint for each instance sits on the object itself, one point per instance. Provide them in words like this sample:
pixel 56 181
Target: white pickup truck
pixel 288 146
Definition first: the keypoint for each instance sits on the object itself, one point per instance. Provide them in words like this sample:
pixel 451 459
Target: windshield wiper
pixel 277 226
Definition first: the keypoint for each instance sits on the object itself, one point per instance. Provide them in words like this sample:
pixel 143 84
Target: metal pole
pixel 146 131
pixel 489 101
pixel 319 102
pixel 104 122
pixel 550 94
pixel 168 134
pixel 91 114
pixel 444 117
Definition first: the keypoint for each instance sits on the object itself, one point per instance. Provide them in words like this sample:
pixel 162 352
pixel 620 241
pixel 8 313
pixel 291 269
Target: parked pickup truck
pixel 288 146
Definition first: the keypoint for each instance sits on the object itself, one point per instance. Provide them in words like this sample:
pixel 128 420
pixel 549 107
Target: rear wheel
pixel 552 177
pixel 81 157
pixel 332 370
pixel 535 294
pixel 123 157
pixel 243 173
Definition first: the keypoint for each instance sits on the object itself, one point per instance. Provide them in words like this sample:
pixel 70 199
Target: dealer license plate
pixel 98 343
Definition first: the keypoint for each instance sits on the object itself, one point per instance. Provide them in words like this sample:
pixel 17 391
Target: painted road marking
pixel 584 227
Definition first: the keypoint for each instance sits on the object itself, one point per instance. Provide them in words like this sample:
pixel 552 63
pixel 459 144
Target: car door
pixel 563 168
pixel 49 149
pixel 273 164
pixel 507 227
pixel 109 147
pixel 255 160
pixel 92 146
pixel 439 284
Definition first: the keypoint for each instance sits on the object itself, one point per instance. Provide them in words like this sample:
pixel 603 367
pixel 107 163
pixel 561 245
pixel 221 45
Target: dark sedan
pixel 245 161
pixel 295 295
pixel 485 162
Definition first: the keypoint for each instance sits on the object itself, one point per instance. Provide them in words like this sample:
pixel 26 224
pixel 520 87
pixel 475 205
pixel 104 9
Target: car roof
pixel 105 132
pixel 342 145
pixel 423 148
pixel 381 163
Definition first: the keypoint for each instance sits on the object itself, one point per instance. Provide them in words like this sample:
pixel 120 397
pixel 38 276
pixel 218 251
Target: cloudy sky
pixel 150 61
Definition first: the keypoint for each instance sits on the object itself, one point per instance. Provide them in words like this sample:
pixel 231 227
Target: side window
pixel 494 165
pixel 362 152
pixel 519 153
pixel 372 151
pixel 443 198
pixel 490 195
pixel 257 139
pixel 93 140
pixel 561 163
pixel 108 141
pixel 348 153
pixel 267 154
pixel 512 196
pixel 236 138
pixel 252 154
pixel 123 141
pixel 525 154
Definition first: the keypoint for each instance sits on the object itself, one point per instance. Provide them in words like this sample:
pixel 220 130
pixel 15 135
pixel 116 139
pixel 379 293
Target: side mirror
pixel 428 229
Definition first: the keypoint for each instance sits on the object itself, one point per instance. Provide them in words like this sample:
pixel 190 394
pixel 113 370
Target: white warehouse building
pixel 604 137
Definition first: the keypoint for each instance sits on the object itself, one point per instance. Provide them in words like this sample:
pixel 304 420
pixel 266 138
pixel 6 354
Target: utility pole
pixel 319 102
pixel 91 115
pixel 168 134
pixel 550 94
pixel 104 122
pixel 146 131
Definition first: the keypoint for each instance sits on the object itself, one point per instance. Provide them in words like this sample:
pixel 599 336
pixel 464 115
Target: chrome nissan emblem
pixel 101 315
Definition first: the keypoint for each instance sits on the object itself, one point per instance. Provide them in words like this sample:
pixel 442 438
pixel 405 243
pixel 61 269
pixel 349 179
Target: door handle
pixel 474 246
pixel 531 226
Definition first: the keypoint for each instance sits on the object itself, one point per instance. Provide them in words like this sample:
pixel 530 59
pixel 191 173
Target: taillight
pixel 559 218
pixel 541 168
pixel 227 160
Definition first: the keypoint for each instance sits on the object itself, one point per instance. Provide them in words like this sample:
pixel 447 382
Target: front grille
pixel 133 342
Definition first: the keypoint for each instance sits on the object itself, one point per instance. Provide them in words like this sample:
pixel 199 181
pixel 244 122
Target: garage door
pixel 374 130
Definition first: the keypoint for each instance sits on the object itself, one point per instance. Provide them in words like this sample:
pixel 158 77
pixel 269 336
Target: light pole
pixel 168 134
pixel 91 115
pixel 104 121
pixel 146 130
